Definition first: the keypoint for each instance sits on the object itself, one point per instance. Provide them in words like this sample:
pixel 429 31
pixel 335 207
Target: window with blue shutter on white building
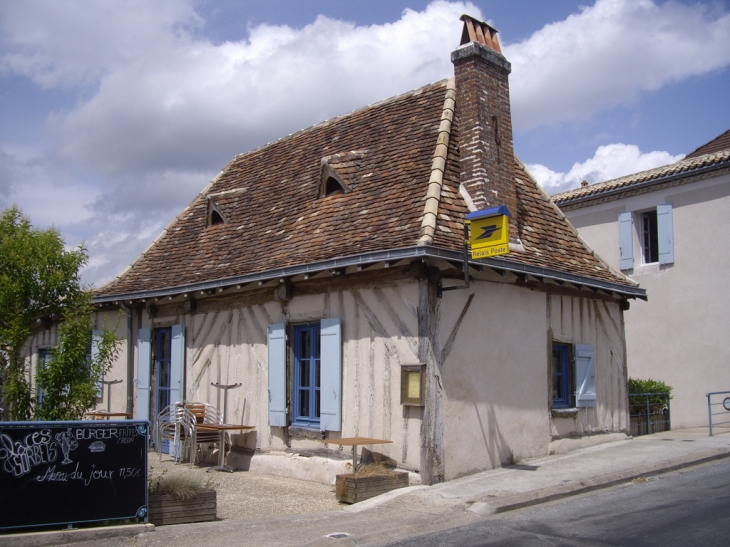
pixel 144 369
pixel 316 375
pixel 585 375
pixel 573 386
pixel 169 345
pixel 655 233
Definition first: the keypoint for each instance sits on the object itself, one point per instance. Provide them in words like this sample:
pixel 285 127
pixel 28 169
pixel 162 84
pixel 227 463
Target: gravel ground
pixel 244 495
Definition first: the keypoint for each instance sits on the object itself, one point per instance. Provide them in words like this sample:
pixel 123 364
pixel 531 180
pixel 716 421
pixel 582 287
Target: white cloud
pixel 609 54
pixel 176 99
pixel 609 162
pixel 70 43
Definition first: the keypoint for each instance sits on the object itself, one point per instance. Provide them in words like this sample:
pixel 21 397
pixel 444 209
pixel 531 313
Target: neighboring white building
pixel 668 229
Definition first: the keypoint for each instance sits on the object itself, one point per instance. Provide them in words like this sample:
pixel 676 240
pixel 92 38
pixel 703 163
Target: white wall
pixel 497 407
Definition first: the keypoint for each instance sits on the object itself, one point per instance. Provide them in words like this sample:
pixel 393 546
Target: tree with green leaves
pixel 40 284
pixel 71 372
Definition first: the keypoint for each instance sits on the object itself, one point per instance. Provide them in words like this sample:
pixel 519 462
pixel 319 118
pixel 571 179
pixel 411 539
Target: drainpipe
pixel 130 361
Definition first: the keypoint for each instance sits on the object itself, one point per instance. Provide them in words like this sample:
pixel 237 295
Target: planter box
pixel 351 489
pixel 167 509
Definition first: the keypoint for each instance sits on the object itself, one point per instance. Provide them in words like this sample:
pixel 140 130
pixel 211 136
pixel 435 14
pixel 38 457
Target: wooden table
pixel 354 442
pixel 222 450
pixel 99 415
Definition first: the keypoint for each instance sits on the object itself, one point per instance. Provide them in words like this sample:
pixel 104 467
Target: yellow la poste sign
pixel 489 232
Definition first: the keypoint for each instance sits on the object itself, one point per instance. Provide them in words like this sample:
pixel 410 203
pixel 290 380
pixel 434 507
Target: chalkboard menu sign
pixel 71 472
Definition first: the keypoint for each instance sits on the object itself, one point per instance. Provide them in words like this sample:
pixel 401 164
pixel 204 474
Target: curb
pixel 65 537
pixel 552 493
pixel 371 503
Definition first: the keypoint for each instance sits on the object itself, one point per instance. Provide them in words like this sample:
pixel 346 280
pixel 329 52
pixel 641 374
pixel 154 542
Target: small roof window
pixel 331 184
pixel 338 173
pixel 214 216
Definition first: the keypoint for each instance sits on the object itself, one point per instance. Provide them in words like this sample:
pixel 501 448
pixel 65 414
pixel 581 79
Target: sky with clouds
pixel 116 114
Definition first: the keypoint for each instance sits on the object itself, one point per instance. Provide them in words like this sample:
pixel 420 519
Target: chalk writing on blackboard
pixel 36 448
pixel 102 466
pixel 67 443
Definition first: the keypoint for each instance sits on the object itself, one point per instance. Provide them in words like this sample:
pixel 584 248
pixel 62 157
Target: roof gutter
pixel 644 184
pixel 419 251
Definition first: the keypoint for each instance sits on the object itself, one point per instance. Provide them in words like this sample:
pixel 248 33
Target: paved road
pixel 685 508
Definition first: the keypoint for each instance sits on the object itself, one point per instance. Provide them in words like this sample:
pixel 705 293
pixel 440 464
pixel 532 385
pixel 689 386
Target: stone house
pixel 317 272
pixel 661 227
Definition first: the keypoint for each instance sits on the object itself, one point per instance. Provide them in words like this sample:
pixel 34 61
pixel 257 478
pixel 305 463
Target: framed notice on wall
pixel 55 473
pixel 412 380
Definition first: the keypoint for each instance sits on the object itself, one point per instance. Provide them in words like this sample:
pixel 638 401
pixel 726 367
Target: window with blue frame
pixel 306 404
pixel 163 350
pixel 561 375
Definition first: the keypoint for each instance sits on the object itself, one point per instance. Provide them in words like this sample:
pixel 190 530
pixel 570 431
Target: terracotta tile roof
pixel 550 241
pixel 685 167
pixel 717 144
pixel 384 153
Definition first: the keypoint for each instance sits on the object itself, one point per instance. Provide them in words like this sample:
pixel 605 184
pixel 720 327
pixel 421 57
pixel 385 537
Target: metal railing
pixel 724 404
pixel 649 413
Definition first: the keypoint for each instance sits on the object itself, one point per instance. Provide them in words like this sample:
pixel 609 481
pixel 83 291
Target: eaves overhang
pixel 586 199
pixel 391 255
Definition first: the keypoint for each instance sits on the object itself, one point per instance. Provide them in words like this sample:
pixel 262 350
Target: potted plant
pixel 179 498
pixel 367 482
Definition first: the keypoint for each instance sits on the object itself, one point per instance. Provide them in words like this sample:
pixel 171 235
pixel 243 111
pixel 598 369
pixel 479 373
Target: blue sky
pixel 116 114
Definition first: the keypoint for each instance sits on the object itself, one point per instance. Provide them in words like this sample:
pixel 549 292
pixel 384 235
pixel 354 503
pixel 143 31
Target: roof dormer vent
pixel 331 183
pixel 213 216
pixel 338 173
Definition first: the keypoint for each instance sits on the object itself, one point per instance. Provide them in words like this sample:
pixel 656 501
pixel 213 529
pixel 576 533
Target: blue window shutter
pixel 331 375
pixel 144 360
pixel 177 364
pixel 665 228
pixel 277 375
pixel 626 240
pixel 95 339
pixel 585 375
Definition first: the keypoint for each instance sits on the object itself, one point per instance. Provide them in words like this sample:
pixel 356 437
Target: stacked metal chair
pixel 176 425
pixel 203 413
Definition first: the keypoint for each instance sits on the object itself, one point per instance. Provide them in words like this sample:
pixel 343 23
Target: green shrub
pixel 648 386
pixel 657 403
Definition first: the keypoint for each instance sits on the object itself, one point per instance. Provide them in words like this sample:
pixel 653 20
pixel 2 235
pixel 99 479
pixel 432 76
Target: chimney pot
pixel 479 32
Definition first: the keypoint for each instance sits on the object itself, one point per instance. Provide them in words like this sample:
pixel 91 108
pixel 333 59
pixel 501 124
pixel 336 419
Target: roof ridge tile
pixel 438 166
pixel 683 166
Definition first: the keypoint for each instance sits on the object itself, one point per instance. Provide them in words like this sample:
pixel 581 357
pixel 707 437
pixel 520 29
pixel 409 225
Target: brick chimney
pixel 485 122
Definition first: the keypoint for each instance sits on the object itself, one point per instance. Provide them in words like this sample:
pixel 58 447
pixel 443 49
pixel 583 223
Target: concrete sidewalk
pixel 420 510
pixel 600 466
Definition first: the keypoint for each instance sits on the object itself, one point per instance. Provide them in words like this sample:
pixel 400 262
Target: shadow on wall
pixel 496 447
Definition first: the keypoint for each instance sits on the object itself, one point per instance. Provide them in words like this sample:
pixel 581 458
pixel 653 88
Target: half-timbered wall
pixel 379 333
pixel 598 323
pixel 487 351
